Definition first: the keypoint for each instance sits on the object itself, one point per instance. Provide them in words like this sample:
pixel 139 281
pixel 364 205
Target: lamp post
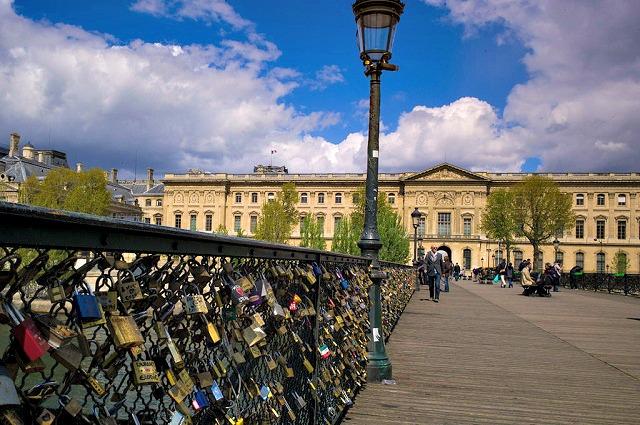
pixel 420 249
pixel 415 219
pixel 376 22
pixel 482 263
pixel 556 245
pixel 488 255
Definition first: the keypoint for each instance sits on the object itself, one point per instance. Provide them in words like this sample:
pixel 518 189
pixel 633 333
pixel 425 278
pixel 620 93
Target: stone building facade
pixel 450 198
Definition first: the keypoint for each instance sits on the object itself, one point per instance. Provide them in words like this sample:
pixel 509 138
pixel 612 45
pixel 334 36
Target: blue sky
pixel 476 85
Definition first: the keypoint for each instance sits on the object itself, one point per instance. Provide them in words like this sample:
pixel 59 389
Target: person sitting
pixel 528 284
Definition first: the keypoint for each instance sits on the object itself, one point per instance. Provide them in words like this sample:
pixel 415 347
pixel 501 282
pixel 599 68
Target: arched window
pixel 304 197
pixel 580 199
pixel 580 259
pixel 338 198
pixel 320 220
pixel 466 259
pixel 560 257
pixel 391 198
pixel 321 198
pixel 517 257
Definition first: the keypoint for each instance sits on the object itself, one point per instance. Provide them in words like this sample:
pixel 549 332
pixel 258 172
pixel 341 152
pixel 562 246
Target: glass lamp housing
pixel 376 22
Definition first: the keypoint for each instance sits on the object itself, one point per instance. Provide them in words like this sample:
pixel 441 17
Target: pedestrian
pixel 434 273
pixel 557 274
pixel 456 272
pixel 501 271
pixel 573 276
pixel 509 275
pixel 446 272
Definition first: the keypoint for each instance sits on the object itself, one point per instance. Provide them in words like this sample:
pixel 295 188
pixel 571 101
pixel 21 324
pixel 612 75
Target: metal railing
pixel 189 326
pixel 628 284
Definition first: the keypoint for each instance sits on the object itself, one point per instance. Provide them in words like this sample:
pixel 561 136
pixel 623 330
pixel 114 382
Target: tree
pixel 620 263
pixel 278 216
pixel 394 237
pixel 65 189
pixel 541 211
pixel 311 234
pixel 222 230
pixel 498 218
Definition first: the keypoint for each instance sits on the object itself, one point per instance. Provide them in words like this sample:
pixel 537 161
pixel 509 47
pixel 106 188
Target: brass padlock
pixel 144 372
pixel 128 289
pixel 125 331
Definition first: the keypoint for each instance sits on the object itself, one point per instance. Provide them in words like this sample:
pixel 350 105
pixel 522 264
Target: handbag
pixel 496 279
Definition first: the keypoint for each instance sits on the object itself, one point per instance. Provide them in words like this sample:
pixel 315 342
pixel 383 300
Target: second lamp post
pixel 376 21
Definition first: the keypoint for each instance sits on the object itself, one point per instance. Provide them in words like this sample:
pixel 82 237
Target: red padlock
pixel 27 335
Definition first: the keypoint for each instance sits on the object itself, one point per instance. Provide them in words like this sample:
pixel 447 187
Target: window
pixel 338 198
pixel 622 200
pixel 600 224
pixel 238 198
pixel 517 257
pixel 253 223
pixel 178 220
pixel 336 222
pixel 391 198
pixel 158 220
pixel 271 196
pixel 579 229
pixel 622 229
pixel 254 197
pixel 466 259
pixel 600 257
pixel 560 257
pixel 304 198
pixel 539 265
pixel 321 224
pixel 355 198
pixel 579 199
pixel 421 226
pixel 302 217
pixel 600 199
pixel 208 222
pixel 321 198
pixel 192 222
pixel 159 203
pixel 237 226
pixel 147 202
pixel 147 220
pixel 444 224
pixel 580 259
pixel 466 226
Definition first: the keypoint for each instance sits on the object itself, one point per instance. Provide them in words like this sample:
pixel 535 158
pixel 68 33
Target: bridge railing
pixel 106 321
pixel 627 284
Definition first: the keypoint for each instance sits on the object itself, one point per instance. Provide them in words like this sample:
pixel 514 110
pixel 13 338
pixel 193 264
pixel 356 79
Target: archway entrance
pixel 447 250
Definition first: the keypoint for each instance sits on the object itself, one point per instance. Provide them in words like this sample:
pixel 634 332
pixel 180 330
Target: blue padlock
pixel 200 400
pixel 86 305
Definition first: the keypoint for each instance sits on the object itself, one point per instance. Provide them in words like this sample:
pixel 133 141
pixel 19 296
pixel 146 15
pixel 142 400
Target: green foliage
pixel 620 263
pixel 394 238
pixel 311 234
pixel 222 230
pixel 540 210
pixel 240 233
pixel 499 218
pixel 67 190
pixel 278 216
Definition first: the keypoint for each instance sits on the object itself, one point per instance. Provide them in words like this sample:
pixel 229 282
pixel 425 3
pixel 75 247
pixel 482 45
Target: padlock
pixel 144 372
pixel 45 418
pixel 55 332
pixel 200 400
pixel 102 416
pixel 9 394
pixel 194 303
pixel 56 293
pixel 128 287
pixel 108 300
pixel 125 331
pixel 27 334
pixel 68 356
pixel 176 357
pixel 86 305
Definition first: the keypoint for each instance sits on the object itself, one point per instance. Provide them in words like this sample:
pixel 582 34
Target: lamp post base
pixel 378 369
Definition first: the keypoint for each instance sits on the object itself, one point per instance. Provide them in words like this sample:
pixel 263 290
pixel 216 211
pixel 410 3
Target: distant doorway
pixel 447 250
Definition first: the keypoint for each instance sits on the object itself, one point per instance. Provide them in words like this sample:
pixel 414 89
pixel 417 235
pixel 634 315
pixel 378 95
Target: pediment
pixel 446 172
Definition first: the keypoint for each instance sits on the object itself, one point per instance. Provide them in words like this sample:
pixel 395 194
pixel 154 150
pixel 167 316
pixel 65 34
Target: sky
pixel 217 85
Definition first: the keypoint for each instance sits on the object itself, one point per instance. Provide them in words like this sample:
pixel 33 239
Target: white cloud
pixel 326 76
pixel 205 10
pixel 584 84
pixel 173 107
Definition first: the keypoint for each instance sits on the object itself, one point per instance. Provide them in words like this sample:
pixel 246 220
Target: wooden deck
pixel 487 355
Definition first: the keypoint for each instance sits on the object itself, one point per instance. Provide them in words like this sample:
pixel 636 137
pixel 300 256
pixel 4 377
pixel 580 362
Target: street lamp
pixel 376 22
pixel 420 249
pixel 556 245
pixel 415 219
pixel 488 255
pixel 482 263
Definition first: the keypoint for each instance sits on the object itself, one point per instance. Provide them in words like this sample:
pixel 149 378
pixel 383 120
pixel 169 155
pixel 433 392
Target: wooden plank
pixel 487 355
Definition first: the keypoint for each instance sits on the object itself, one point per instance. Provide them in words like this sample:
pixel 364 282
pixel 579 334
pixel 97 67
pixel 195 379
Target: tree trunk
pixel 536 254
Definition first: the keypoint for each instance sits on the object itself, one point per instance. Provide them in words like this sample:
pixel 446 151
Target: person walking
pixel 446 272
pixel 509 275
pixel 434 273
pixel 456 272
pixel 501 270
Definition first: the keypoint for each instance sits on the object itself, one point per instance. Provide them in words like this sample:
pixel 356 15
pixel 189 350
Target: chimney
pixel 14 143
pixel 41 157
pixel 114 175
pixel 79 167
pixel 149 178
